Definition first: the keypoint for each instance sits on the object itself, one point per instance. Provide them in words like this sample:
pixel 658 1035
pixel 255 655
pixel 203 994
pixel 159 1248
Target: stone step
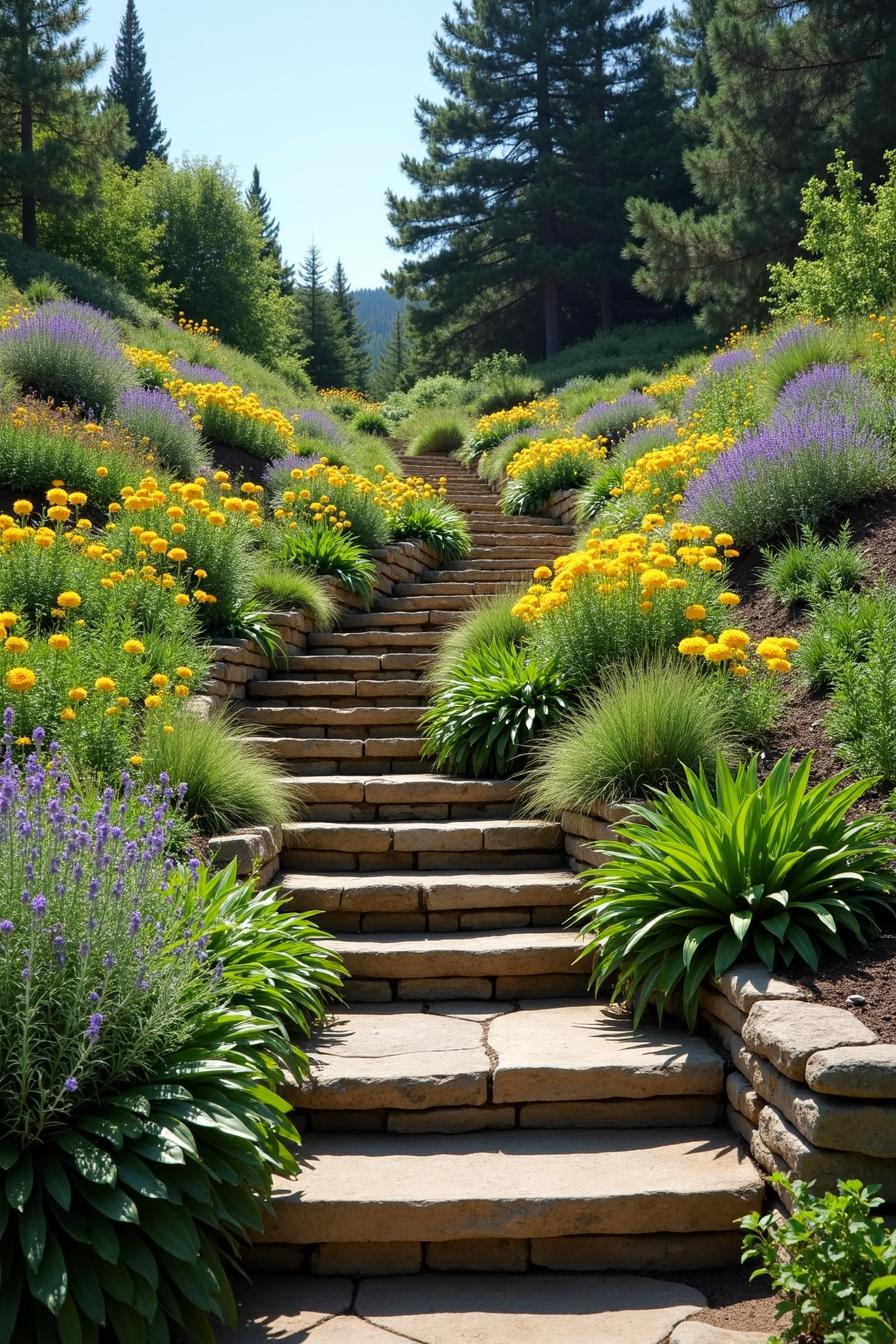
pixel 354 755
pixel 410 790
pixel 426 601
pixel 454 587
pixel 441 902
pixel 357 714
pixel 542 1065
pixel 423 841
pixel 397 641
pixel 518 1184
pixel 505 577
pixel 372 620
pixel 366 666
pixel 511 964
pixel 320 690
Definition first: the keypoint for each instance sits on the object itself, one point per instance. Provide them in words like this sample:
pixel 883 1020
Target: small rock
pixel 856 1001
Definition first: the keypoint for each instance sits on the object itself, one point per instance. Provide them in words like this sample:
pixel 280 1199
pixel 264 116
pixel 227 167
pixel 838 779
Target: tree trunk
pixel 607 316
pixel 547 216
pixel 29 201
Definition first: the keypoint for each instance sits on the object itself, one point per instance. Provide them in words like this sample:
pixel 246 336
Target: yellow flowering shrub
pixel 348 502
pixel 491 429
pixel 152 368
pixel 672 386
pixel 542 454
pixel 203 330
pixel 661 475
pixel 227 414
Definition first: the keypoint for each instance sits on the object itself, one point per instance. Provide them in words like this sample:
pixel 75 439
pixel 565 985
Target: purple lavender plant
pixel 160 425
pixel 277 474
pixel 728 361
pixel 611 419
pixel 85 314
pixel 199 373
pixel 833 388
pixel 805 334
pixel 59 353
pixel 318 425
pixel 795 469
pixel 100 971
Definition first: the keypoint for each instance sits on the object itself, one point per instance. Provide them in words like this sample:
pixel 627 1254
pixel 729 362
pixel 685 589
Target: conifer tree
pixel 130 84
pixel 778 88
pixel 392 372
pixel 553 110
pixel 259 202
pixel 319 337
pixel 54 135
pixel 351 326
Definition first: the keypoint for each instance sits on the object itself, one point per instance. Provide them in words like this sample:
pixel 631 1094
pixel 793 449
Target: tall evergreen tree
pixel 354 331
pixel 554 110
pixel 392 372
pixel 783 85
pixel 319 337
pixel 130 84
pixel 259 202
pixel 54 136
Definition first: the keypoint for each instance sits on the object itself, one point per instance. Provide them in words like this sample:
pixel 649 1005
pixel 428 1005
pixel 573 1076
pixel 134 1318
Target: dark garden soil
pixel 733 1302
pixel 869 973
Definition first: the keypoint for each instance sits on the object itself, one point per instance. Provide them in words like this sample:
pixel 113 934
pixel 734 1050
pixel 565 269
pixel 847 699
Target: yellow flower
pixel 59 643
pixel 724 539
pixel 168 728
pixel 135 760
pixel 8 618
pixel 542 572
pixel 102 472
pixel 181 600
pixel 695 612
pixel 729 600
pixel 68 600
pixel 68 714
pixel 59 513
pixel 778 665
pixel 104 684
pixel 177 554
pixel 184 672
pixel 694 644
pixel 78 498
pixel 77 693
pixel 57 496
pixel 769 648
pixel 710 565
pixel 182 691
pixel 20 679
pixel 133 646
pixel 159 546
pixel 789 643
pixel 23 507
pixel 122 700
pixel 734 639
pixel 159 680
pixel 16 644
pixel 716 653
pixel 152 701
pixel 216 519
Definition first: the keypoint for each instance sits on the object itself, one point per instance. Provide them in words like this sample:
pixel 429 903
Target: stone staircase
pixel 472 1108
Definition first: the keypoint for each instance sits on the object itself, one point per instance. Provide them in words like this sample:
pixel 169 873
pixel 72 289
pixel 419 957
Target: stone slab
pixel 275 1308
pixel 867 1071
pixel 810 1163
pixel 511 1310
pixel 788 1033
pixel 396 1057
pixel 585 1051
pixel 518 1183
pixel 745 985
pixel 514 952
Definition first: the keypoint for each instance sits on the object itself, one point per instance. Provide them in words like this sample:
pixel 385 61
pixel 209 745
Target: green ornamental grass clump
pixel 372 423
pixel 287 589
pixel 438 523
pixel 842 631
pixel 440 434
pixel 489 620
pixel 737 870
pixel 809 570
pixel 322 550
pixel 488 711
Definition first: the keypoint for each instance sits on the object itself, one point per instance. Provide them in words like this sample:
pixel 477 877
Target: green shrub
pixel 842 630
pixel 736 872
pixel 832 1263
pixel 230 779
pixel 284 589
pixel 515 390
pixel 42 289
pixel 637 733
pixel 440 434
pixel 372 423
pixel 489 620
pixel 643 346
pixel 810 569
pixel 862 720
pixel 160 426
pixel 40 445
pixel 795 351
pixel 530 490
pixel 323 550
pixel 28 264
pixel 438 523
pixel 489 710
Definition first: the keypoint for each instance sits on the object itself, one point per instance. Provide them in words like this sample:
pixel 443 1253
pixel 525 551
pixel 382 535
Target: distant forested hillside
pixel 377 310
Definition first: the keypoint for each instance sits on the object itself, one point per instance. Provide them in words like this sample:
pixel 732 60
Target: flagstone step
pixel 356 715
pixel 366 666
pixel 532 1184
pixel 426 602
pixel 470 587
pixel 416 901
pixel 394 641
pixel 421 839
pixel 413 797
pixel 320 690
pixel 510 964
pixel 353 755
pixel 464 1067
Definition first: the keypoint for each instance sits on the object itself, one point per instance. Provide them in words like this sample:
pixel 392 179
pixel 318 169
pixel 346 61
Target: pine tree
pixel 319 337
pixel 259 202
pixel 355 334
pixel 392 372
pixel 54 135
pixel 782 86
pixel 130 84
pixel 554 111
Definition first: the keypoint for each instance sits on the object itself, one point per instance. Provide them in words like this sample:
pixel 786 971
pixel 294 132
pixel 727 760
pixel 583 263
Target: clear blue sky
pixel 319 93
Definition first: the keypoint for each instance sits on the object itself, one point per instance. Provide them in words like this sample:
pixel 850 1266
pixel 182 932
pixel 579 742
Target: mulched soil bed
pixel 868 972
pixel 733 1302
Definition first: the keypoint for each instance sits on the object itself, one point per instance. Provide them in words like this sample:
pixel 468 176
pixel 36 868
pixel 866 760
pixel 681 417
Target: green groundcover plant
pixel 325 551
pixel 146 1013
pixel 489 709
pixel 742 869
pixel 832 1262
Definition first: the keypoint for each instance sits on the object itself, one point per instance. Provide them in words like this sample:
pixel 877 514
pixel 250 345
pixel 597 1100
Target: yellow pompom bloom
pixel 159 680
pixel 69 601
pixel 77 693
pixel 23 507
pixel 112 711
pixel 102 472
pixel 716 653
pixel 135 760
pixel 694 644
pixel 134 646
pixel 695 612
pixel 16 644
pixel 104 684
pixel 710 565
pixel 159 546
pixel 59 643
pixel 724 539
pixel 735 639
pixel 177 554
pixel 181 600
pixel 20 679
pixel 542 572
pixel 184 672
pixel 57 496
pixel 729 600
pixel 168 728
pixel 59 513
pixel 778 665
pixel 769 648
pixel 215 519
pixel 68 714
pixel 8 618
pixel 152 701
pixel 182 691
pixel 789 643
pixel 78 498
